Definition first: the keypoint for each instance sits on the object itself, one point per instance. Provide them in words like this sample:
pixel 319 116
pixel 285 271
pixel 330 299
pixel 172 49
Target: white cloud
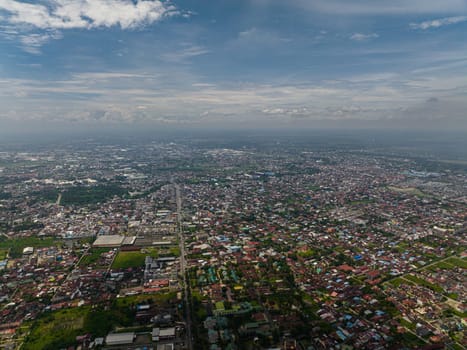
pixel 440 22
pixel 29 41
pixel 95 76
pixel 255 39
pixel 34 24
pixel 363 37
pixel 255 35
pixel 32 42
pixel 132 97
pixel 184 53
pixel 67 14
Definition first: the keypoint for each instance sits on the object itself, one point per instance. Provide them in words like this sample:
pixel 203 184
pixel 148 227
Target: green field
pixel 408 190
pixel 158 298
pixel 441 265
pixel 422 282
pixel 17 245
pixel 82 195
pixel 457 262
pixel 58 329
pixel 93 256
pixel 55 330
pixel 125 260
pixel 3 254
pixel 173 251
pixel 407 324
pixel 398 281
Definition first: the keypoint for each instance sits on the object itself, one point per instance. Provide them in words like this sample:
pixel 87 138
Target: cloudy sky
pixel 323 63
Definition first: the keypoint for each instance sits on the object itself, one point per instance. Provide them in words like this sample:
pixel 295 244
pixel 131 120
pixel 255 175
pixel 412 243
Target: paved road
pixel 59 199
pixel 181 240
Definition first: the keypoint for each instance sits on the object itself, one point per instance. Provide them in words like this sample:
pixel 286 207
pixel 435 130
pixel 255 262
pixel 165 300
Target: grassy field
pixel 158 298
pixel 407 324
pixel 422 282
pixel 93 256
pixel 441 265
pixel 57 329
pixel 3 254
pixel 457 262
pixel 125 260
pixel 398 281
pixel 17 245
pixel 172 251
pixel 409 190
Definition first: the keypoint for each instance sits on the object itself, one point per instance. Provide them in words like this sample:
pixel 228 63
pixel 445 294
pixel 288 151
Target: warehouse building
pixel 120 339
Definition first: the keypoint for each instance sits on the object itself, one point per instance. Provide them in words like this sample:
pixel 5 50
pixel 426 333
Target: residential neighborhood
pixel 161 245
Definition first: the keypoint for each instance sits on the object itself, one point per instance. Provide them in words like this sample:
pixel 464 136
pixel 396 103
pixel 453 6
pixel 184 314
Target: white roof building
pixel 120 338
pixel 111 241
pixel 163 333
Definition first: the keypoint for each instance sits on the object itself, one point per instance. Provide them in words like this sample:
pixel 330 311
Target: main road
pixel 181 240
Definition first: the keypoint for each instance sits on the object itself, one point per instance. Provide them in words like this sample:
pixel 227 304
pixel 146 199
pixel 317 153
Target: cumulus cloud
pixel 68 14
pixel 34 24
pixel 440 22
pixel 363 37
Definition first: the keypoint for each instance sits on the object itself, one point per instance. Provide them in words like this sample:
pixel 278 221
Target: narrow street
pixel 181 240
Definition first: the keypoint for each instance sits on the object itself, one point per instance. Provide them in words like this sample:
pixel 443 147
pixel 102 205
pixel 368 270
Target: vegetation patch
pixel 422 282
pixel 174 251
pixel 94 257
pixel 407 324
pixel 453 296
pixel 398 281
pixel 125 260
pixel 157 298
pixel 17 245
pixel 82 195
pixel 56 329
pixel 3 254
pixel 409 190
pixel 306 254
pixel 457 262
pixel 5 195
pixel 444 265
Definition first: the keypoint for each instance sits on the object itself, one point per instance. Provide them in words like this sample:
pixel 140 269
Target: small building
pixel 163 333
pixel 162 243
pixel 129 241
pixel 28 250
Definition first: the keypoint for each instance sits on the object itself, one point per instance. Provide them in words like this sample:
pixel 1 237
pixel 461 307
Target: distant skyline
pixel 244 63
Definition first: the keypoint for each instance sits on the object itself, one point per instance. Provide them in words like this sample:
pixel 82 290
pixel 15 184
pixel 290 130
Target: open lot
pixel 17 245
pixel 3 254
pixel 126 260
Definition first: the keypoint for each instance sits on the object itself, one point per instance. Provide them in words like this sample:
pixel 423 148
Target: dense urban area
pixel 231 244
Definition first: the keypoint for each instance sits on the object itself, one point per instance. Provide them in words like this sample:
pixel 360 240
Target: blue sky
pixel 323 63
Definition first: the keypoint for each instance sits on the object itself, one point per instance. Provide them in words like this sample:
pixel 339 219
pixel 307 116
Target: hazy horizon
pixel 243 64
